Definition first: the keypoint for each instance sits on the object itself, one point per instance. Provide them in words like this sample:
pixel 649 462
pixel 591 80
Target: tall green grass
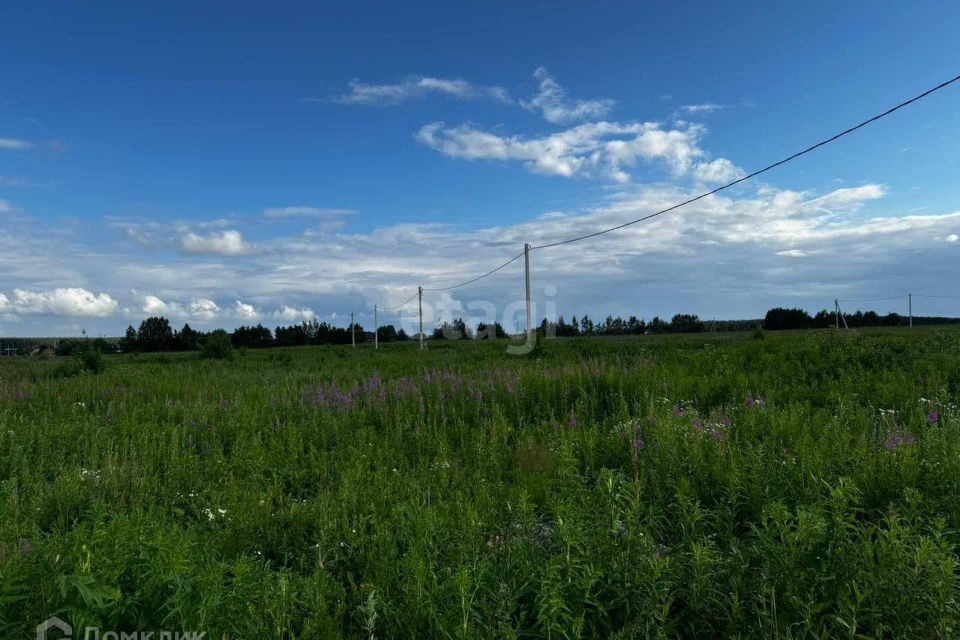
pixel 800 486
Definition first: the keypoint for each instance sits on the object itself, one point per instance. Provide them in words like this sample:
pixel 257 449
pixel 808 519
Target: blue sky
pixel 242 162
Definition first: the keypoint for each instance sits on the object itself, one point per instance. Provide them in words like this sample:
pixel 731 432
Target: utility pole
pixel 910 305
pixel 526 264
pixel 376 330
pixel 836 313
pixel 420 304
pixel 353 331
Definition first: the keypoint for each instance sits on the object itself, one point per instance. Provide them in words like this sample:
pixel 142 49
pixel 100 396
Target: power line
pixel 923 295
pixel 900 297
pixel 397 306
pixel 755 173
pixel 706 194
pixel 488 273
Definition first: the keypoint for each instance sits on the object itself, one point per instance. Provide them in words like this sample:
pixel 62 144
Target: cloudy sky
pixel 269 163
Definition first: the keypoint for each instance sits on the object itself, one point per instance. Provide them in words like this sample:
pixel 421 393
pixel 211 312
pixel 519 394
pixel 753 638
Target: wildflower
pixel 895 440
pixel 933 417
pixel 573 420
pixel 639 444
pixel 677 410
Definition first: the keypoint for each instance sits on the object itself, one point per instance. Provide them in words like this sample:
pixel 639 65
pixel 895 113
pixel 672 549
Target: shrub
pixel 91 360
pixel 217 346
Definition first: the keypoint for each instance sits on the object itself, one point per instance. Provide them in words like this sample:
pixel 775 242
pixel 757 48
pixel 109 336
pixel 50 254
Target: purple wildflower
pixel 677 410
pixel 573 420
pixel 639 444
pixel 933 417
pixel 895 440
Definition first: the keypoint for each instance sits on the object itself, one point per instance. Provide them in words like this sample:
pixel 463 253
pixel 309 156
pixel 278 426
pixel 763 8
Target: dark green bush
pixel 217 346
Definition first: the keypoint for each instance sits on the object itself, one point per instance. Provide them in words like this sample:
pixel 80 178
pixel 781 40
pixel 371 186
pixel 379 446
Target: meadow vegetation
pixel 803 485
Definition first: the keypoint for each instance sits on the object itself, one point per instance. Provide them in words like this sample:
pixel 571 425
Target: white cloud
pixel 154 306
pixel 793 253
pixel 224 243
pixel 552 102
pixel 718 171
pixel 703 108
pixel 952 237
pixel 604 149
pixel 416 87
pixel 245 311
pixel 204 309
pixel 851 198
pixel 4 304
pixel 5 207
pixel 294 314
pixel 197 309
pixel 15 144
pixel 70 301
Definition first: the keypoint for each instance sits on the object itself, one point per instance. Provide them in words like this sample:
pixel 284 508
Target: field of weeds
pixel 795 486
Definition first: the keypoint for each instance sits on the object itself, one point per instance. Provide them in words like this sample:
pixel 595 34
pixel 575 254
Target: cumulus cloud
pixel 793 253
pixel 294 314
pixel 224 243
pixel 70 301
pixel 204 309
pixel 719 171
pixel 593 149
pixel 5 207
pixel 4 303
pixel 245 311
pixel 416 87
pixel 552 103
pixel 15 144
pixel 154 306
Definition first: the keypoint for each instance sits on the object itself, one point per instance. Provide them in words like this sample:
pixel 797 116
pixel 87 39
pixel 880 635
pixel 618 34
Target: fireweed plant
pixel 802 486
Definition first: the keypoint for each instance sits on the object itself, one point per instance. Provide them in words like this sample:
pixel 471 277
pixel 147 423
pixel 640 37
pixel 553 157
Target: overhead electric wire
pixel 900 297
pixel 481 277
pixel 755 173
pixel 397 306
pixel 706 194
pixel 924 295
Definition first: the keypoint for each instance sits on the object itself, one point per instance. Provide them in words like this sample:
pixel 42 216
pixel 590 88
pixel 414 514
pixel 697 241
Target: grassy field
pixel 795 486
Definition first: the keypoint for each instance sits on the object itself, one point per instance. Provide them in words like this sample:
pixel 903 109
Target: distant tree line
pixel 615 326
pixel 781 318
pixel 156 333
